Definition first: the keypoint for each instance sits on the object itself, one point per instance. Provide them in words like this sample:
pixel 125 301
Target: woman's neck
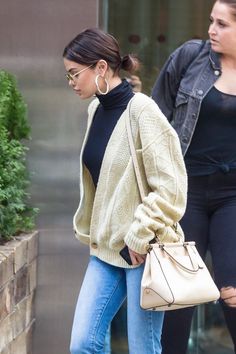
pixel 228 62
pixel 114 81
pixel 225 83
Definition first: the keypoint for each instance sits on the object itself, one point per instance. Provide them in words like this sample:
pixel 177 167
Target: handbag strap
pixel 134 155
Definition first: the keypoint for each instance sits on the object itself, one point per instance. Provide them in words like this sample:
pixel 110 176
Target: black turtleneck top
pixel 107 114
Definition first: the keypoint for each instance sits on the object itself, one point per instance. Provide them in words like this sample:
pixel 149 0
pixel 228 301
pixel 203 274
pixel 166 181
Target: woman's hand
pixel 136 258
pixel 228 294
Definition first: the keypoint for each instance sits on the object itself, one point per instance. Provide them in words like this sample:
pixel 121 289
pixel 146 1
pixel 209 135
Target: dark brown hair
pixel 93 44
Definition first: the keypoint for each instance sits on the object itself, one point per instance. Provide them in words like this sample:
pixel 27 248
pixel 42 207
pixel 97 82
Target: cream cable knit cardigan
pixel 115 215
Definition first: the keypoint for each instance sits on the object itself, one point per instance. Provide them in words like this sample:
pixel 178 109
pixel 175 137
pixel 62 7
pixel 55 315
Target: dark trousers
pixel 210 220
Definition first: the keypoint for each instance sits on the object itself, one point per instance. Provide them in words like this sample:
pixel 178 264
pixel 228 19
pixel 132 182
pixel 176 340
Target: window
pixel 153 28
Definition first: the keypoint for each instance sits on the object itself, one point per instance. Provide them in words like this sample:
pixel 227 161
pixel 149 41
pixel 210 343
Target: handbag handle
pixel 195 265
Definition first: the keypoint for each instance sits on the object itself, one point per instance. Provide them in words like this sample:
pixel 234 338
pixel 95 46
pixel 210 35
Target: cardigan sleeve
pixel 165 176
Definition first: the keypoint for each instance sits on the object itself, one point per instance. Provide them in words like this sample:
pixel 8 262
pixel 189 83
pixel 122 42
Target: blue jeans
pixel 103 291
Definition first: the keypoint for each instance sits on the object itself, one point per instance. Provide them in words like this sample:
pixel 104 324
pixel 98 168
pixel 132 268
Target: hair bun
pixel 130 63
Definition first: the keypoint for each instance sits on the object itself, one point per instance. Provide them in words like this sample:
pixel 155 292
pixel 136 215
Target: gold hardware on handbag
pixel 175 276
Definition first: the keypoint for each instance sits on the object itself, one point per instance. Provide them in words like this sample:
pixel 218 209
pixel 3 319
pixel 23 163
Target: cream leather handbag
pixel 175 276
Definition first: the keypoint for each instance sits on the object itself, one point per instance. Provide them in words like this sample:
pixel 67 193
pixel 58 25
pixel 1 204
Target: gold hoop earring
pixel 98 88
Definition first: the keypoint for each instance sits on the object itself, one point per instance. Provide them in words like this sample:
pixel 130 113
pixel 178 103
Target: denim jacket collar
pixel 215 60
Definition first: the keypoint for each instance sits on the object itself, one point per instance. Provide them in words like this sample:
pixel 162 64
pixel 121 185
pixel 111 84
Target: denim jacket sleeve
pixel 167 84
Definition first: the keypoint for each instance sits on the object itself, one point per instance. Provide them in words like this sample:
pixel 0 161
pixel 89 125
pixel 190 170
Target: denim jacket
pixel 185 79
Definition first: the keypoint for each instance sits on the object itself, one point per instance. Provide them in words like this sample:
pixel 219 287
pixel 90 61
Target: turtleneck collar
pixel 119 96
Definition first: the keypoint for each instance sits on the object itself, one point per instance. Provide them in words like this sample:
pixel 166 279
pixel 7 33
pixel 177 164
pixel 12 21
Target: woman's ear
pixel 102 67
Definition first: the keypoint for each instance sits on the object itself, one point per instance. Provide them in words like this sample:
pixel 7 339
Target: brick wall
pixel 18 265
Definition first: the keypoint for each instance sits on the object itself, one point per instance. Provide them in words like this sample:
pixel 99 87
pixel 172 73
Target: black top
pixel 213 146
pixel 108 113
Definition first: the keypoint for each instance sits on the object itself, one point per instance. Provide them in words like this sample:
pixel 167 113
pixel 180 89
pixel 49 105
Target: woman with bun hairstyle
pixel 111 216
